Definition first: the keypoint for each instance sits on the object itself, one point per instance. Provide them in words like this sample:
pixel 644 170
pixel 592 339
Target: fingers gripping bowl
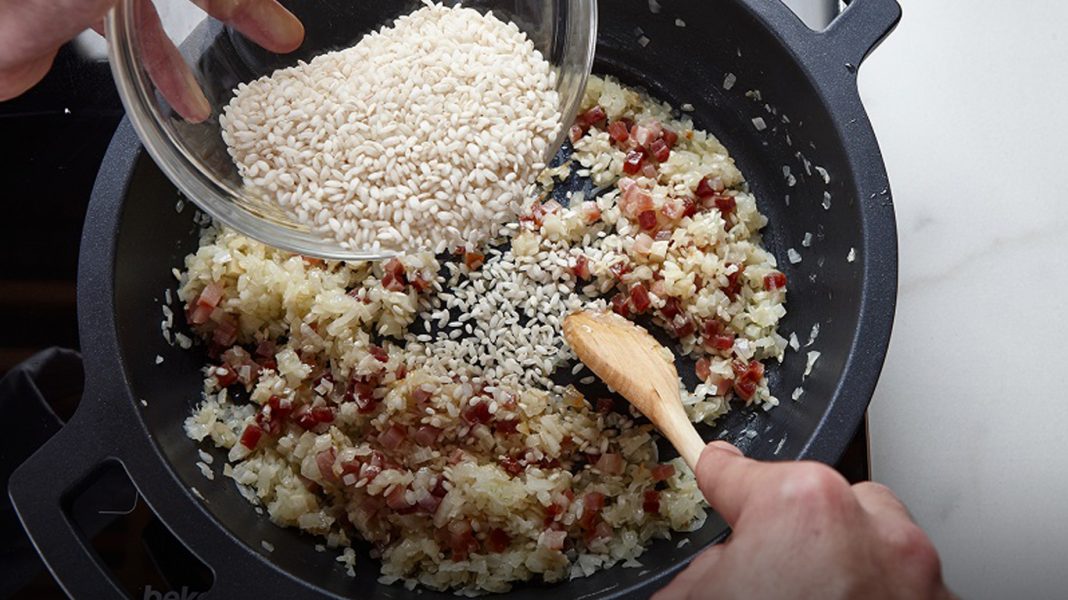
pixel 130 248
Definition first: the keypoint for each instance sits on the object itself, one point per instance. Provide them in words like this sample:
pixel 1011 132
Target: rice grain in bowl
pixel 412 403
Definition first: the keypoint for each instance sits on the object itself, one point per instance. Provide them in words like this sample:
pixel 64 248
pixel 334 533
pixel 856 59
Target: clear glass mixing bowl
pixel 193 154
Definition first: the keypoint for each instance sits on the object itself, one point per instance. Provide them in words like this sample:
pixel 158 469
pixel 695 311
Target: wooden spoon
pixel 634 364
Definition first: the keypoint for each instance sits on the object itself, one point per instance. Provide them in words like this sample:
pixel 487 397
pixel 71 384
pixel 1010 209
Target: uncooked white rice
pixel 421 136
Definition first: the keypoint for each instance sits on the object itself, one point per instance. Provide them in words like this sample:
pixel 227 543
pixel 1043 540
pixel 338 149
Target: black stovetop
pixel 54 138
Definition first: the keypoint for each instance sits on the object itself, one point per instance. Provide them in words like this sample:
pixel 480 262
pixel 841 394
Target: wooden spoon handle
pixel 680 431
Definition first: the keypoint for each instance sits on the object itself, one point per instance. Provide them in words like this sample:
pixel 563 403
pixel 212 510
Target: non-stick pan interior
pixel 679 64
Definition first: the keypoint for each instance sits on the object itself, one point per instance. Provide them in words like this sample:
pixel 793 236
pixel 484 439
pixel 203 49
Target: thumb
pixel 727 479
pixel 30 33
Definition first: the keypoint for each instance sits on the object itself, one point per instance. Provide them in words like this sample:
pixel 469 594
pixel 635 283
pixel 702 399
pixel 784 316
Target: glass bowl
pixel 193 154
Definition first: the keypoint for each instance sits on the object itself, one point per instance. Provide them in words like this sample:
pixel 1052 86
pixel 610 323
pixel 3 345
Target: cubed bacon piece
pixel 734 282
pixel 199 315
pixel 682 325
pixel 363 394
pixel 689 207
pixel 511 466
pixel 477 413
pixel 394 266
pixel 429 503
pixel 474 260
pixel 602 531
pixel 745 389
pixel 251 435
pixel 323 414
pixel 266 349
pixel 380 353
pixel 721 342
pixel 211 295
pixel 709 187
pixel 325 462
pixel 646 133
pixel 303 417
pixel 671 308
pixel 392 438
pixel 497 540
pixel 716 336
pixel 621 268
pixel 632 163
pixel 393 283
pixel 619 305
pixel 660 150
pixel 462 541
pixel 426 435
pixel 651 502
pixel 722 384
pixel 581 270
pixel 747 377
pixel 712 327
pixel 662 472
pixel 506 426
pixel 639 298
pixel 395 278
pixel 647 220
pixel 701 369
pixel 774 281
pixel 420 283
pixel 536 215
pixel 619 132
pixel 280 409
pixel 592 503
pixel 225 333
pixel 726 205
pixel 397 498
pixel 225 375
pixel 635 200
pixel 610 463
pixel 592 117
pixel 421 396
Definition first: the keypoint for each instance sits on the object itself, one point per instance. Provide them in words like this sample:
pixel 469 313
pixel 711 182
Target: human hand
pixel 801 531
pixel 31 32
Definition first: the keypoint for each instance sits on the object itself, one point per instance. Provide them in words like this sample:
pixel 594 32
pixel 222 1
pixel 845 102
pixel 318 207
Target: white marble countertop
pixel 969 422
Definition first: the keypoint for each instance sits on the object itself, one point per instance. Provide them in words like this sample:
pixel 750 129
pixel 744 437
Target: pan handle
pixel 40 490
pixel 860 28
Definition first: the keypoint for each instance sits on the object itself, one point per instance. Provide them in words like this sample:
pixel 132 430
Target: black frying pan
pixel 133 237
